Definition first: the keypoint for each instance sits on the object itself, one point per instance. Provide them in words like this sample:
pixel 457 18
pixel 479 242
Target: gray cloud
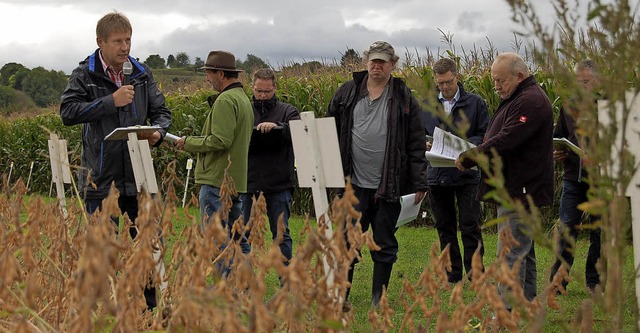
pixel 279 32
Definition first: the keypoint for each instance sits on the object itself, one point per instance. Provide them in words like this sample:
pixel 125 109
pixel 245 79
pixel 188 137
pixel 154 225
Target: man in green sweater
pixel 224 142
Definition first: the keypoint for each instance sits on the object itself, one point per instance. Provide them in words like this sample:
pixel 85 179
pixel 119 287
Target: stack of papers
pixel 446 148
pixel 564 143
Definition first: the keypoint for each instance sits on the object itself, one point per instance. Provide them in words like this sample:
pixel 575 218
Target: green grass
pixel 414 256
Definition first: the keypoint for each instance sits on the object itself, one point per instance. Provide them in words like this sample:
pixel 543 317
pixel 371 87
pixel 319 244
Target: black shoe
pixel 346 306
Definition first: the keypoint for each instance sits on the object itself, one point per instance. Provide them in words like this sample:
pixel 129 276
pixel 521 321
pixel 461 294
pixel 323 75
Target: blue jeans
pixel 210 204
pixel 278 204
pixel 573 194
pixel 524 251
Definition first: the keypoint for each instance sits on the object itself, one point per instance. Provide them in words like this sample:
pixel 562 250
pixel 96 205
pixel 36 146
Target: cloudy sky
pixel 58 34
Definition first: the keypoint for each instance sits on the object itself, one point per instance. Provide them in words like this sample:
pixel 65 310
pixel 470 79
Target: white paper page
pixel 408 210
pixel 446 148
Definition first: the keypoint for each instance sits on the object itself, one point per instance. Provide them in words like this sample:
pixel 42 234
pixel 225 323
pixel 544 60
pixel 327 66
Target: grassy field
pixel 414 257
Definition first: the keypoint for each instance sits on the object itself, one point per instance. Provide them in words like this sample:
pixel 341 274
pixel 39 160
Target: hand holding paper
pixel 409 209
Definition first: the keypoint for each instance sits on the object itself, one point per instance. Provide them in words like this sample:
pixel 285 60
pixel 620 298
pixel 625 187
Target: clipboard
pixel 121 133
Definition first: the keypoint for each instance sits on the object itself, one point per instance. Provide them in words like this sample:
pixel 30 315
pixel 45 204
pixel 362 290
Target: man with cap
pixel 382 144
pixel 223 144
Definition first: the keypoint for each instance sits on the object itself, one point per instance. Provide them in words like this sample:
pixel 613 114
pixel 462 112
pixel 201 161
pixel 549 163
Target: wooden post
pixel 318 165
pixel 60 172
pixel 29 178
pixel 142 164
pixel 186 182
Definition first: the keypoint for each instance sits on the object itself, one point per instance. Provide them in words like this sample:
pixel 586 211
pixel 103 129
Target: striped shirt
pixel 116 77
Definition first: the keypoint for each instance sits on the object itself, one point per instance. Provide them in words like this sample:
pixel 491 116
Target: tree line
pixel 22 88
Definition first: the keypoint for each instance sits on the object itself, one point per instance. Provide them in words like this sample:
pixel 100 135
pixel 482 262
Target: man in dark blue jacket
pixel 271 162
pixel 98 97
pixel 575 184
pixel 450 186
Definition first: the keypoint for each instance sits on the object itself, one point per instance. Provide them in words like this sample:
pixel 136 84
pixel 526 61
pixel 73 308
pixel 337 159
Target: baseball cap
pixel 380 50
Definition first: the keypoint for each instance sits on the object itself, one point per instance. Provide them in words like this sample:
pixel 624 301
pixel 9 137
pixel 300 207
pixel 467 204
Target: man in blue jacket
pixel 450 188
pixel 98 97
pixel 575 184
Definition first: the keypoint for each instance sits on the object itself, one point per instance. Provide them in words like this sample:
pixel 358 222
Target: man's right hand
pixel 123 96
pixel 560 155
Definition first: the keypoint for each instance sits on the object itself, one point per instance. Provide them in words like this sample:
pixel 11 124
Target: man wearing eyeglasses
pixel 271 169
pixel 450 188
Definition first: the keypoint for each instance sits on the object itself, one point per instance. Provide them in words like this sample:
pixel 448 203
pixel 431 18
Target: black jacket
pixel 566 128
pixel 474 109
pixel 521 132
pixel 271 160
pixel 404 166
pixel 88 100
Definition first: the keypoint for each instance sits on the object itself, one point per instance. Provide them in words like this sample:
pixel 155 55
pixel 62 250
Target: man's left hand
pixel 459 165
pixel 419 197
pixel 266 127
pixel 153 138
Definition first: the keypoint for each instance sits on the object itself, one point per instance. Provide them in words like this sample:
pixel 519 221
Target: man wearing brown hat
pixel 382 145
pixel 224 141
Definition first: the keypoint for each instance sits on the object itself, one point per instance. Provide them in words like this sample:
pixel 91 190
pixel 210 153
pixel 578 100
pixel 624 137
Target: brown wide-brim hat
pixel 221 60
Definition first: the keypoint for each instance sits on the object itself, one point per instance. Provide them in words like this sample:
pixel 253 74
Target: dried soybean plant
pixel 79 275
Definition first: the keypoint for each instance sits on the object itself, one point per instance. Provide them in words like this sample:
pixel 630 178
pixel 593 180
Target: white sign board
pixel 142 164
pixel 631 143
pixel 329 170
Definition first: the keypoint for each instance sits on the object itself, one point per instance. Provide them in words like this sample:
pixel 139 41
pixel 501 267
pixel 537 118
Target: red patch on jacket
pixel 523 119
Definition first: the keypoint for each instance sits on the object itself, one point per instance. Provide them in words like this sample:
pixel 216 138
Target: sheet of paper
pixel 445 149
pixel 408 210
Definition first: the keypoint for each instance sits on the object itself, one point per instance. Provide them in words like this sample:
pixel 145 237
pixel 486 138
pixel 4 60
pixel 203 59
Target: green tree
pixel 171 61
pixel 198 63
pixel 155 61
pixel 15 80
pixel 44 87
pixel 12 100
pixel 350 58
pixel 182 60
pixel 7 71
pixel 251 64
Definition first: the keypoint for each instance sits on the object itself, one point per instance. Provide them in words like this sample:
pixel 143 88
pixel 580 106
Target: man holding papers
pixel 450 188
pixel 574 184
pixel 382 145
pixel 520 133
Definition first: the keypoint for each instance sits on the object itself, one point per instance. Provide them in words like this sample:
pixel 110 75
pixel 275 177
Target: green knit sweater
pixel 225 136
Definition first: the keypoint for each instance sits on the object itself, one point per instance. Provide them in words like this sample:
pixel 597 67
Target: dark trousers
pixel 278 204
pixel 573 194
pixel 382 217
pixel 448 216
pixel 129 205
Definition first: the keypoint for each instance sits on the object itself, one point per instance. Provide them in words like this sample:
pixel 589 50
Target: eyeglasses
pixel 262 92
pixel 445 83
